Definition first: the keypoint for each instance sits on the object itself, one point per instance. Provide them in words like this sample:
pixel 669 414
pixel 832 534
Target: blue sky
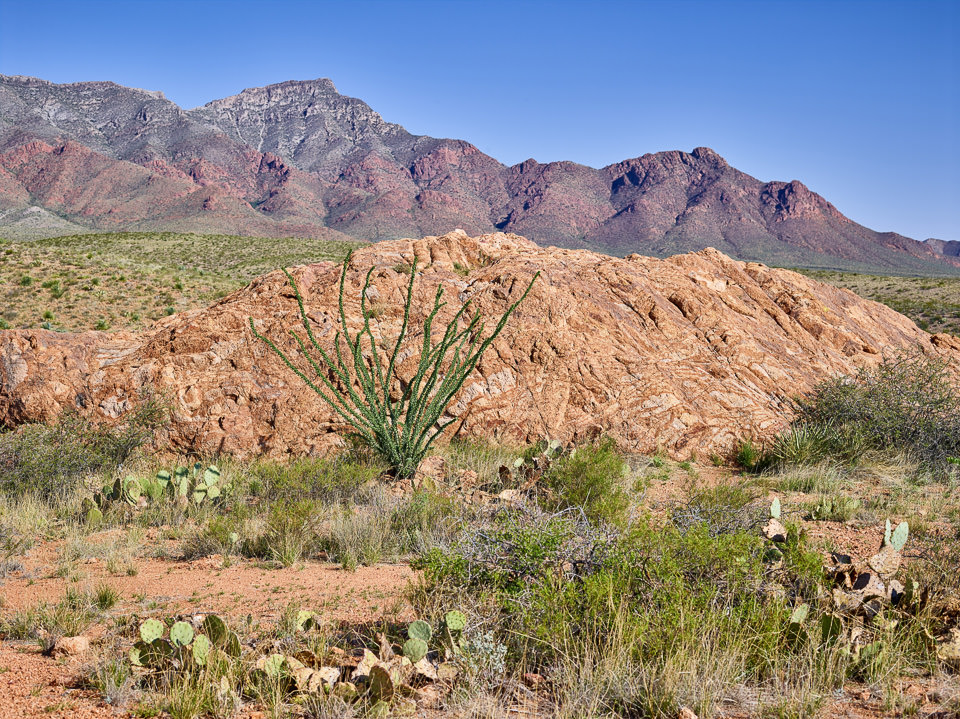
pixel 859 100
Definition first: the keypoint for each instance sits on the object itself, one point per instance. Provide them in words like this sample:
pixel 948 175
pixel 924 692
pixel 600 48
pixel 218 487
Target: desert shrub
pixel 909 402
pixel 802 444
pixel 422 520
pixel 750 456
pixel 825 477
pixel 68 617
pixel 556 583
pixel 360 535
pixel 50 461
pixel 113 679
pixel 723 509
pixel 327 479
pixel 221 534
pixel 591 478
pixel 401 428
pixel 484 458
pixel 291 533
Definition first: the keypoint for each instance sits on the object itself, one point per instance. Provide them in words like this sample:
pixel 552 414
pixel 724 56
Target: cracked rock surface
pixel 689 353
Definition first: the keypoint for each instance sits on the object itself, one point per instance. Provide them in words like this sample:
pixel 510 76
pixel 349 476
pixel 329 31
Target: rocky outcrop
pixel 688 353
pixel 298 157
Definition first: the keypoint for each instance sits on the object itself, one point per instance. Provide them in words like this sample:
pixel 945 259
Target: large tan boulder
pixel 693 352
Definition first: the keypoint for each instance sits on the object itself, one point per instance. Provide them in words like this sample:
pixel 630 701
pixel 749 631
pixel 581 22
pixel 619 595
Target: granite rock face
pixel 689 353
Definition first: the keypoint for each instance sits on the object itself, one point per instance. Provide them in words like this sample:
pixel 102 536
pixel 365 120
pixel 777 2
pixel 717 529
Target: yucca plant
pixel 399 430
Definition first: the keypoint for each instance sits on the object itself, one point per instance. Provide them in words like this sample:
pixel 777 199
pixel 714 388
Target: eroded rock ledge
pixel 689 353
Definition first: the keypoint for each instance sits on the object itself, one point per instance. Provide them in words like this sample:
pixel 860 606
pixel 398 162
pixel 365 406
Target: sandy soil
pixel 205 585
pixel 34 686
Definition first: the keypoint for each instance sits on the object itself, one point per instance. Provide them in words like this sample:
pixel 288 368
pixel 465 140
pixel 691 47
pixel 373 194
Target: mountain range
pixel 300 159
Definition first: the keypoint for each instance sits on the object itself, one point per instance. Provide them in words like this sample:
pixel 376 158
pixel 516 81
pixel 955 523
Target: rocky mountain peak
pixel 308 122
pixel 708 155
pixel 277 94
pixel 300 158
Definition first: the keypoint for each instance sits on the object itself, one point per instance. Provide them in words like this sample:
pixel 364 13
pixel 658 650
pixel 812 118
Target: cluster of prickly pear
pixel 386 682
pixel 127 490
pixel 525 471
pixel 182 644
pixel 199 485
pixel 206 484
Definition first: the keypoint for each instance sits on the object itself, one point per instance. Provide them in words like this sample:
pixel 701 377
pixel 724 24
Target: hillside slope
pixel 299 158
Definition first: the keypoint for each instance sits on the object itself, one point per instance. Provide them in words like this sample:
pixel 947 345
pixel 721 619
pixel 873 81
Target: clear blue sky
pixel 858 100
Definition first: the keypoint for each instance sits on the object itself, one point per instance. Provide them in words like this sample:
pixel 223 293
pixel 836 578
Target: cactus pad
pixel 415 650
pixel 419 630
pixel 775 508
pixel 151 629
pixel 898 539
pixel 831 627
pixel 201 649
pixel 181 634
pixel 215 628
pixel 799 615
pixel 272 666
pixel 456 621
pixel 232 645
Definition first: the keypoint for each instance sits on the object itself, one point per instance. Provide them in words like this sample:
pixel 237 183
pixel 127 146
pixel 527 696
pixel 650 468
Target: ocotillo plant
pixel 399 430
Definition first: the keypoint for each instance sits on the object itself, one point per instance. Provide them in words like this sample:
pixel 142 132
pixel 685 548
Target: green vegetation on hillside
pixel 932 302
pixel 128 280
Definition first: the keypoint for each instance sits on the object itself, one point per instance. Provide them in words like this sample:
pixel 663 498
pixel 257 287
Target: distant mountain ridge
pixel 298 158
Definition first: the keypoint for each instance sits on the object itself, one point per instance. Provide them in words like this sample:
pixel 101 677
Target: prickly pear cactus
pixel 775 508
pixel 799 615
pixel 181 634
pixel 215 628
pixel 421 630
pixel 831 629
pixel 796 633
pixel 415 650
pixel 201 649
pixel 898 539
pixel 272 666
pixel 456 621
pixel 151 629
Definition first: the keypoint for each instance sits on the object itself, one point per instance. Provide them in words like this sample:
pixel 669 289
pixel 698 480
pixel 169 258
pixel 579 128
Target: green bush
pixel 552 576
pixel 591 478
pixel 328 479
pixel 220 535
pixel 51 461
pixel 292 533
pixel 909 403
